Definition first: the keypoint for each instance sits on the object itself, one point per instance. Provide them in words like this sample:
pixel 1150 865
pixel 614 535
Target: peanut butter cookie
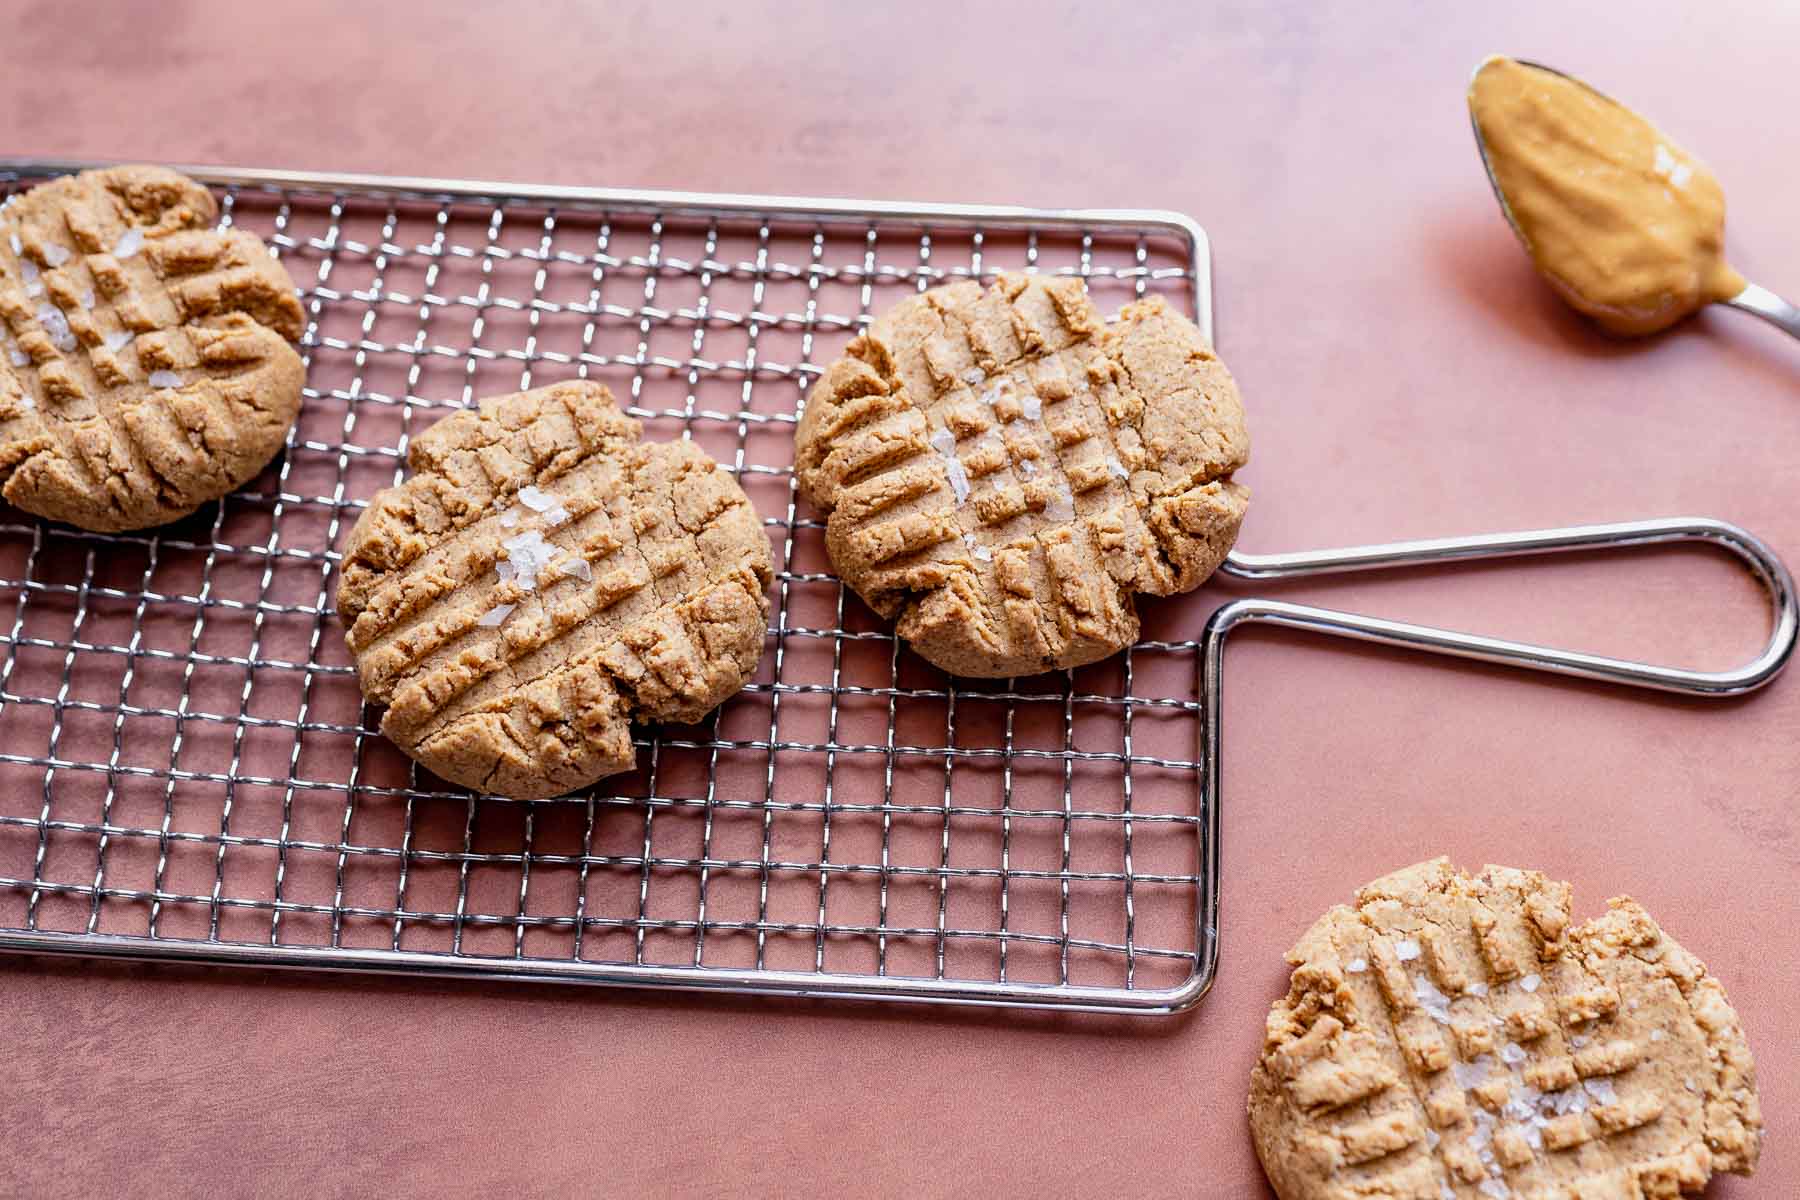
pixel 144 359
pixel 544 579
pixel 1003 472
pixel 1456 1037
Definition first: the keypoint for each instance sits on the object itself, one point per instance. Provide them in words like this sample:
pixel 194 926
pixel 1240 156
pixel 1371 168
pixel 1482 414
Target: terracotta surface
pixel 1408 376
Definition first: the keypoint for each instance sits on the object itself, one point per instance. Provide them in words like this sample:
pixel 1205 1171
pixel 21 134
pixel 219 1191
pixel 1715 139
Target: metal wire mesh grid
pixel 187 770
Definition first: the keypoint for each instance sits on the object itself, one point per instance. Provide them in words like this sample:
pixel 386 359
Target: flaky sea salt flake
pixel 1570 1100
pixel 1033 406
pixel 1434 1002
pixel 496 614
pixel 164 379
pixel 18 357
pixel 509 519
pixel 535 499
pixel 1530 982
pixel 57 326
pixel 529 555
pixel 55 255
pixel 129 243
pixel 973 376
pixel 1472 1073
pixel 1406 949
pixel 118 339
pixel 1512 1054
pixel 1357 966
pixel 959 478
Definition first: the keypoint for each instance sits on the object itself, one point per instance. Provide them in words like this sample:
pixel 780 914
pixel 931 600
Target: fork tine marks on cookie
pixel 1582 1105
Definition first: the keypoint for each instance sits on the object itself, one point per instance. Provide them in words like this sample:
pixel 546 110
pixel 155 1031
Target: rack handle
pixel 1761 560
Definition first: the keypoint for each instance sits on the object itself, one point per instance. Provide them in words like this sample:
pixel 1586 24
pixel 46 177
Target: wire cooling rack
pixel 187 770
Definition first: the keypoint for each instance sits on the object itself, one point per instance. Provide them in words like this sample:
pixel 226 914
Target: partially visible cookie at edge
pixel 1454 1037
pixel 145 364
pixel 1003 472
pixel 544 579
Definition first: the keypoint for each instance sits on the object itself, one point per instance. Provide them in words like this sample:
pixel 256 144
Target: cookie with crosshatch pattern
pixel 543 580
pixel 145 365
pixel 1004 472
pixel 1457 1037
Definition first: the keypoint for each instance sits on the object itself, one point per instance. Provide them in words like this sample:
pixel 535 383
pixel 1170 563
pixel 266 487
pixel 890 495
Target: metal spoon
pixel 1756 300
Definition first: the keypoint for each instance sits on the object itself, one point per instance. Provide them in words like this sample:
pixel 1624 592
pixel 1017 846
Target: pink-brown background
pixel 1407 376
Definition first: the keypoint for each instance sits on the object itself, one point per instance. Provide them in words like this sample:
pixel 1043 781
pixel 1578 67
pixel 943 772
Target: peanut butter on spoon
pixel 1628 226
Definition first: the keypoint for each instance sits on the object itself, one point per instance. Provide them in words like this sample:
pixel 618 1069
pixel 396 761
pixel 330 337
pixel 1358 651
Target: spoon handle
pixel 1761 302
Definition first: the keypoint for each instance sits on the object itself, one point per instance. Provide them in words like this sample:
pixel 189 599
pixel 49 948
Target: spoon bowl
pixel 1756 300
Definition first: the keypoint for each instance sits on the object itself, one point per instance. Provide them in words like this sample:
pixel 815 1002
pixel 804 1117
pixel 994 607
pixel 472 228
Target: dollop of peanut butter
pixel 1627 225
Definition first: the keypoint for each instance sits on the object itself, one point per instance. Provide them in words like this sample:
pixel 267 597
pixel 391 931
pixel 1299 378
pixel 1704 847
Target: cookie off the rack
pixel 1003 472
pixel 145 365
pixel 543 580
pixel 1457 1037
